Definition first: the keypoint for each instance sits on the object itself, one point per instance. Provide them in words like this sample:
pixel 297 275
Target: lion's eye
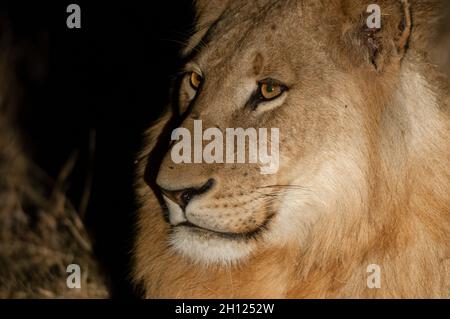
pixel 195 80
pixel 269 89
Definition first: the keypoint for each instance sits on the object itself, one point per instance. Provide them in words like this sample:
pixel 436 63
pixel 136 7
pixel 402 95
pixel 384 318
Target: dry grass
pixel 40 233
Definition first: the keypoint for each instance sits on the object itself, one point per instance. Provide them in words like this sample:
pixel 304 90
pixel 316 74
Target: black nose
pixel 183 196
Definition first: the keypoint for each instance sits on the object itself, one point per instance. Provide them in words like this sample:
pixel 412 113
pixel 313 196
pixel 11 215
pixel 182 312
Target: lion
pixel 364 174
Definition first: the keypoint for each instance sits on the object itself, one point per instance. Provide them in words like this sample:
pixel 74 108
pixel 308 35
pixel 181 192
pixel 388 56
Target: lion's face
pixel 278 74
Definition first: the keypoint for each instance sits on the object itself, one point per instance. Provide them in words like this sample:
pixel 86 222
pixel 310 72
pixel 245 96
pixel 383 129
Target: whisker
pixel 285 186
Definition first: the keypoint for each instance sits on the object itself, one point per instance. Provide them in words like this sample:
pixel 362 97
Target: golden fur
pixel 365 135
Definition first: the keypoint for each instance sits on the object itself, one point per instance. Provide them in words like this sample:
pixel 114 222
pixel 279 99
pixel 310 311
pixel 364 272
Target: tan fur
pixel 368 144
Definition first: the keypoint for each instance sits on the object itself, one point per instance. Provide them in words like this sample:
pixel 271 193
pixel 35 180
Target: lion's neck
pixel 404 228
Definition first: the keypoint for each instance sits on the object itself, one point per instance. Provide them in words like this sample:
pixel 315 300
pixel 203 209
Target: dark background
pixel 107 80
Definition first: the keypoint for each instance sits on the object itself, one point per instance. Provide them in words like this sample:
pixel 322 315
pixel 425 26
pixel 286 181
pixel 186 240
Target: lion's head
pixel 317 73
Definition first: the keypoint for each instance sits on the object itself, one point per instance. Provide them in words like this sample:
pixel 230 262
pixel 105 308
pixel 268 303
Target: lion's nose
pixel 183 196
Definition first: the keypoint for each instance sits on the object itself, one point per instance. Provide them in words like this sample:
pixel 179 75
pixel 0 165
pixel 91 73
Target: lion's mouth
pixel 252 234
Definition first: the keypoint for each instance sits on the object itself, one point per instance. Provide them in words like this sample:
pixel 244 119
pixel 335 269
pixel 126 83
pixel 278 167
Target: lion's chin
pixel 208 248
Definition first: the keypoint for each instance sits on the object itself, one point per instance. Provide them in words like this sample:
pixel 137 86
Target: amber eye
pixel 195 80
pixel 270 90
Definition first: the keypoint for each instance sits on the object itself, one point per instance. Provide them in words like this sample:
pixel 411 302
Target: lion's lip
pixel 227 235
pixel 192 225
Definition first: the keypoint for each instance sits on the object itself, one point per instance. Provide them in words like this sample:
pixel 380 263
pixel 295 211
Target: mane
pixel 404 225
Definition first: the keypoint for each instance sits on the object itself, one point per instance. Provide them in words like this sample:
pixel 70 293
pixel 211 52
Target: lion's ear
pixel 209 10
pixel 206 13
pixel 378 31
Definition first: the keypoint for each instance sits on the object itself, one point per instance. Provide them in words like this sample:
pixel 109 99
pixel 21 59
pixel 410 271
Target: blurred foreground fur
pixel 40 232
pixel 441 53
